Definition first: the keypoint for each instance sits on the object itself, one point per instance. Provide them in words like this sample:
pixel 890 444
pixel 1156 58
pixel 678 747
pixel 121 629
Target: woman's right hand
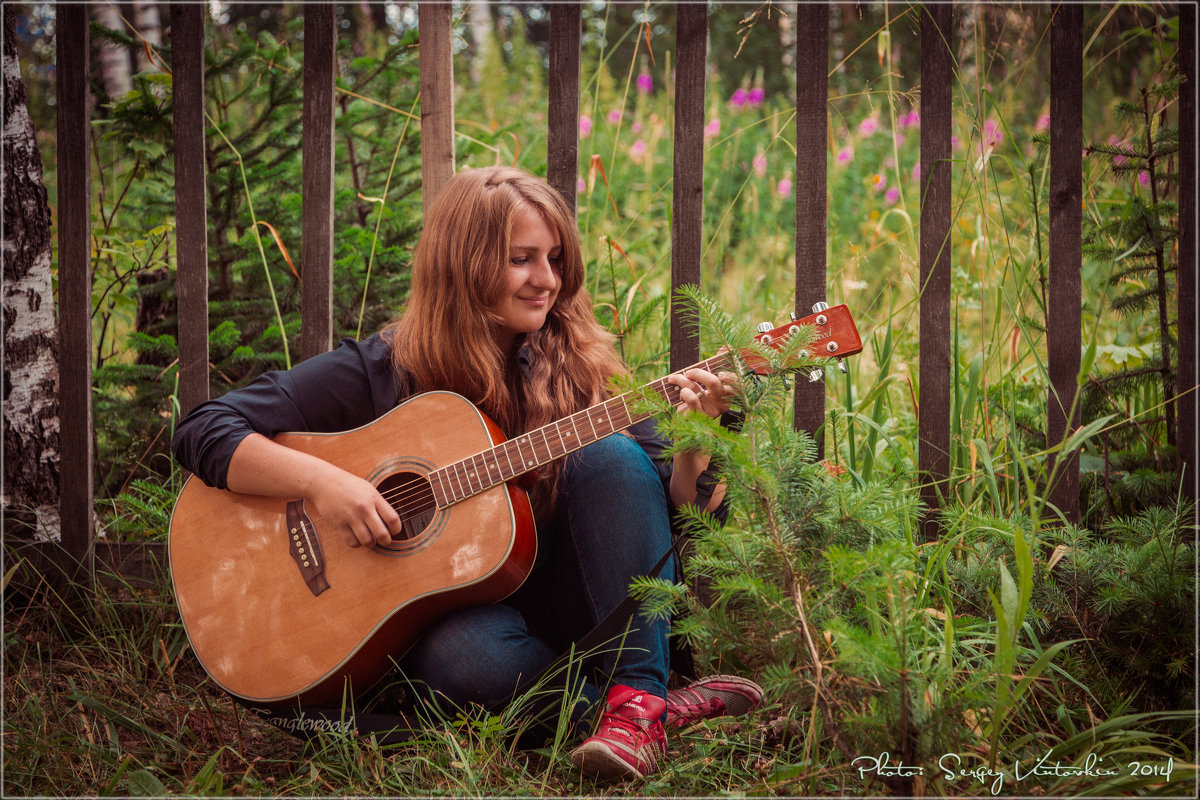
pixel 353 507
pixel 346 503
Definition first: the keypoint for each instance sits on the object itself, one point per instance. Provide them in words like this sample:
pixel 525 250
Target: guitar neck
pixel 529 451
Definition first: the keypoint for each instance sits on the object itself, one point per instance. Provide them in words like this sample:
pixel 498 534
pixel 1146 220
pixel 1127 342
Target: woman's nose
pixel 542 273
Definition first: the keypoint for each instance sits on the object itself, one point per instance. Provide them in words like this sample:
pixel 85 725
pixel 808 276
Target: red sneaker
pixel 629 741
pixel 713 696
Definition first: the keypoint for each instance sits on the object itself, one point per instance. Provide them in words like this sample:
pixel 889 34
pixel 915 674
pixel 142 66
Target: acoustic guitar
pixel 278 609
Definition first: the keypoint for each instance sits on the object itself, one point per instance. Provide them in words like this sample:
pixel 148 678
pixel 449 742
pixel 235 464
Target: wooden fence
pixel 437 129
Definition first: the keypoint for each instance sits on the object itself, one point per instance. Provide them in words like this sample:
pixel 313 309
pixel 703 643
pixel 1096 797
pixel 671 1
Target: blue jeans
pixel 610 525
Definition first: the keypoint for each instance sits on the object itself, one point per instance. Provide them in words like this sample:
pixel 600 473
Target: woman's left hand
pixel 701 390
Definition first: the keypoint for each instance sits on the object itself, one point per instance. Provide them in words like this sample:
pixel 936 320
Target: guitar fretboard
pixel 456 482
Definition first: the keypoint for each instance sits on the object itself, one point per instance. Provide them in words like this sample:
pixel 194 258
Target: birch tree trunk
pixel 148 22
pixel 115 73
pixel 30 403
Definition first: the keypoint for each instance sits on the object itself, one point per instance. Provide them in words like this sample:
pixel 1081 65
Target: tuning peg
pixel 792 314
pixel 816 375
pixel 765 327
pixel 841 362
pixel 820 306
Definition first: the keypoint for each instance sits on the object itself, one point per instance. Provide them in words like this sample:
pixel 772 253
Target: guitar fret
pixel 512 471
pixel 521 455
pixel 549 449
pixel 458 480
pixel 474 474
pixel 444 487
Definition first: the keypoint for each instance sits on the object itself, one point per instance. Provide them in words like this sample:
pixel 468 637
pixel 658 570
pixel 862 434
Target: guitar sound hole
pixel 412 497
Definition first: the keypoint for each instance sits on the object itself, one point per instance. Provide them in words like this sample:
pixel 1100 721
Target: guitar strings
pixel 420 489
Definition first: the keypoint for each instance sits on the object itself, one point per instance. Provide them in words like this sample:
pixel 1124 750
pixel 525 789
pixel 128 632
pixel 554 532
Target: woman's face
pixel 534 273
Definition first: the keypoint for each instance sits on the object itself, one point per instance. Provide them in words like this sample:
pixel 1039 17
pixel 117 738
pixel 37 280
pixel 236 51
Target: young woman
pixel 498 314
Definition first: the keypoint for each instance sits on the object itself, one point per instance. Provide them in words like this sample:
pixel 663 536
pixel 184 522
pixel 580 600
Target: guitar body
pixel 278 609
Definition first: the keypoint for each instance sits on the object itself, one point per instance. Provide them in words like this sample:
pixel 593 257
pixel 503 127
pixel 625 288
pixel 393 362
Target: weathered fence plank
pixel 316 239
pixel 76 452
pixel 812 181
pixel 933 416
pixel 687 227
pixel 437 98
pixel 1186 391
pixel 1064 316
pixel 562 142
pixel 191 202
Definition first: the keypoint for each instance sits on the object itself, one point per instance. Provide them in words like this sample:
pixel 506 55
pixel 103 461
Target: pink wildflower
pixel 713 127
pixel 879 181
pixel 784 187
pixel 637 150
pixel 1144 178
pixel 740 98
pixel 845 155
pixel 756 96
pixel 989 136
pixel 614 116
pixel 955 142
pixel 916 171
pixel 645 83
pixel 1043 123
pixel 585 127
pixel 892 195
pixel 636 127
pixel 580 185
pixel 868 126
pixel 911 120
pixel 1113 141
pixel 760 165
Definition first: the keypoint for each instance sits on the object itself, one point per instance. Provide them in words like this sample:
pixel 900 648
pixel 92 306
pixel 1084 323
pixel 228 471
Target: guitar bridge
pixel 305 546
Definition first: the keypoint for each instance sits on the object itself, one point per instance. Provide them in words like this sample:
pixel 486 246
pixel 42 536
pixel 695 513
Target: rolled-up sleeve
pixel 339 390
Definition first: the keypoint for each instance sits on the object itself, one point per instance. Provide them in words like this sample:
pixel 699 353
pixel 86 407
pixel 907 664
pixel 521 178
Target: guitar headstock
pixel 836 336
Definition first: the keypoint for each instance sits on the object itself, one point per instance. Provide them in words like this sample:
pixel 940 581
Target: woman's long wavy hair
pixel 448 337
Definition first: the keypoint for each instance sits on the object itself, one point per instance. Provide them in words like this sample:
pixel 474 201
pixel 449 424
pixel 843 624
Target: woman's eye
pixel 518 260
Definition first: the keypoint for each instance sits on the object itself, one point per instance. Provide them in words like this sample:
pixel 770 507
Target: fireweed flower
pixel 645 83
pixel 989 137
pixel 756 96
pixel 740 98
pixel 712 128
pixel 585 127
pixel 760 165
pixel 1113 141
pixel 784 188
